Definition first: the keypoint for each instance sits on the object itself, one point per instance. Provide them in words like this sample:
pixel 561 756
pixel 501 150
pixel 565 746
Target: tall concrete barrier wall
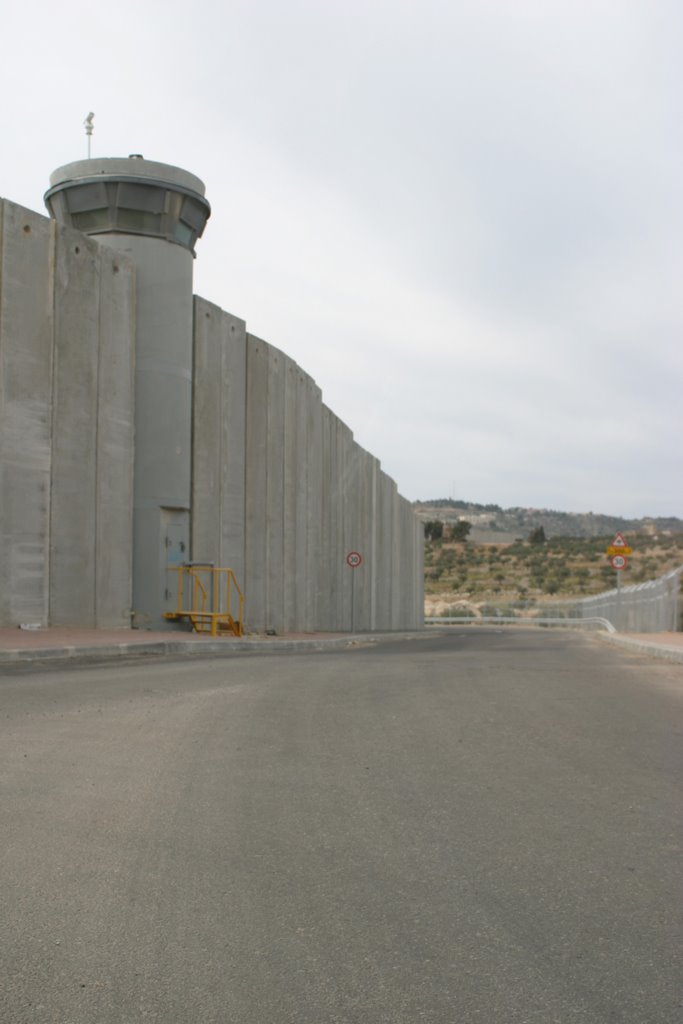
pixel 280 490
pixel 66 425
pixel 26 360
pixel 280 474
pixel 218 439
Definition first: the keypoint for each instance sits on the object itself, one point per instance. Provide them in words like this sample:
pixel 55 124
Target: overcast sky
pixel 464 219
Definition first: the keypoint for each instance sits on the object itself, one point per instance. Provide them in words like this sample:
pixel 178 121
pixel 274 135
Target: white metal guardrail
pixel 651 607
pixel 592 622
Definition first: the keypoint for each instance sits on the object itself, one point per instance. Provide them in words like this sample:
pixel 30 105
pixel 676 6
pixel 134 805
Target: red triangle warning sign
pixel 619 541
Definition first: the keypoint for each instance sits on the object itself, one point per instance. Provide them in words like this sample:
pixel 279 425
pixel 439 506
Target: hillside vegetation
pixel 471 571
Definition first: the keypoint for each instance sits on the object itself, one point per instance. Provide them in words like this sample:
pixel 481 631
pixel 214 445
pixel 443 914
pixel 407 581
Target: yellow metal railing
pixel 210 597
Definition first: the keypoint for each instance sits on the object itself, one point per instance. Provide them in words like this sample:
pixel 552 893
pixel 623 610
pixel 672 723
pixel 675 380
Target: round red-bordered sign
pixel 619 562
pixel 354 559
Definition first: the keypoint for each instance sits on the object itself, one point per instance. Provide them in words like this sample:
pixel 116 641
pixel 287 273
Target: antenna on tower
pixel 88 125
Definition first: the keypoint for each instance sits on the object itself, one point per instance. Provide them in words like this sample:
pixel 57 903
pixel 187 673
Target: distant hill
pixel 493 524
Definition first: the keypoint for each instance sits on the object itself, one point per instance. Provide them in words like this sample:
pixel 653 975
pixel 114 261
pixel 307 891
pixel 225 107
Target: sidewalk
pixel 73 644
pixel 659 645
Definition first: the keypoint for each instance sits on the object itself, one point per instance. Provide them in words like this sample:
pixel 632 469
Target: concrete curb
pixel 74 654
pixel 662 651
pixel 198 649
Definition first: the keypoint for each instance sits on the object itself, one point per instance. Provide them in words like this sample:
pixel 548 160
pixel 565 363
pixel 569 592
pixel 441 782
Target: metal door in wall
pixel 174 534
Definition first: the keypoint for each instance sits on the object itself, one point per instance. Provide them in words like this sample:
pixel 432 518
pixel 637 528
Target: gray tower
pixel 155 213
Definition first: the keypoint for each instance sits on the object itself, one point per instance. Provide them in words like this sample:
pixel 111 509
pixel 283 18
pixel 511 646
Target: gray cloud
pixel 462 218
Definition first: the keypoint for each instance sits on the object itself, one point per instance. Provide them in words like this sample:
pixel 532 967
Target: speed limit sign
pixel 354 559
pixel 619 562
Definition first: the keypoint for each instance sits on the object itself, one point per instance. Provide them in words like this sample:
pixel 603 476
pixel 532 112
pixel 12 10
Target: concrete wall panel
pixel 418 593
pixel 275 501
pixel 219 438
pixel 331 514
pixel 301 518
pixel 406 567
pixel 336 540
pixel 207 434
pixel 256 483
pixel 115 436
pixel 326 568
pixel 351 539
pixel 386 498
pixel 314 478
pixel 371 472
pixel 373 539
pixel 397 575
pixel 361 576
pixel 343 575
pixel 74 454
pixel 410 564
pixel 26 327
pixel 233 447
pixel 291 481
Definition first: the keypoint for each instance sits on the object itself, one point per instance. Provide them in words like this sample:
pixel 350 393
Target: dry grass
pixel 469 575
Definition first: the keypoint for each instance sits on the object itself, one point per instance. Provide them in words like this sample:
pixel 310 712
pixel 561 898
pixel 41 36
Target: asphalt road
pixel 485 829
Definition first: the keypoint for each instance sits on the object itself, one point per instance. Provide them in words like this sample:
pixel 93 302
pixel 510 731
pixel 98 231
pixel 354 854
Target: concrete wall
pixel 278 471
pixel 66 425
pixel 218 440
pixel 26 357
pixel 280 490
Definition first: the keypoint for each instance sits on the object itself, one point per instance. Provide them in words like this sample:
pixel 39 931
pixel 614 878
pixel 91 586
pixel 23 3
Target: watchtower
pixel 155 213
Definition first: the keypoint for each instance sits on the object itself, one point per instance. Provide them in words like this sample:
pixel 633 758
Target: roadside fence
pixel 652 607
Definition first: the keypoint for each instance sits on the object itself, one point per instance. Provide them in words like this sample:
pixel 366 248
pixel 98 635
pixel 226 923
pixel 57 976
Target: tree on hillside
pixel 433 529
pixel 537 535
pixel 460 530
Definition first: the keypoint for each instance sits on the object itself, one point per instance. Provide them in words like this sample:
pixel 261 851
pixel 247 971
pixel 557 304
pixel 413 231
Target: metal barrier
pixel 210 597
pixel 595 622
pixel 651 607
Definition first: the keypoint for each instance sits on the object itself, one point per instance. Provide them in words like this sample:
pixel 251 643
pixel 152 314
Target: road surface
pixel 482 829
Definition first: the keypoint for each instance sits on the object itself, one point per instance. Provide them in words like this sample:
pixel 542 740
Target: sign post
pixel 617 551
pixel 353 560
